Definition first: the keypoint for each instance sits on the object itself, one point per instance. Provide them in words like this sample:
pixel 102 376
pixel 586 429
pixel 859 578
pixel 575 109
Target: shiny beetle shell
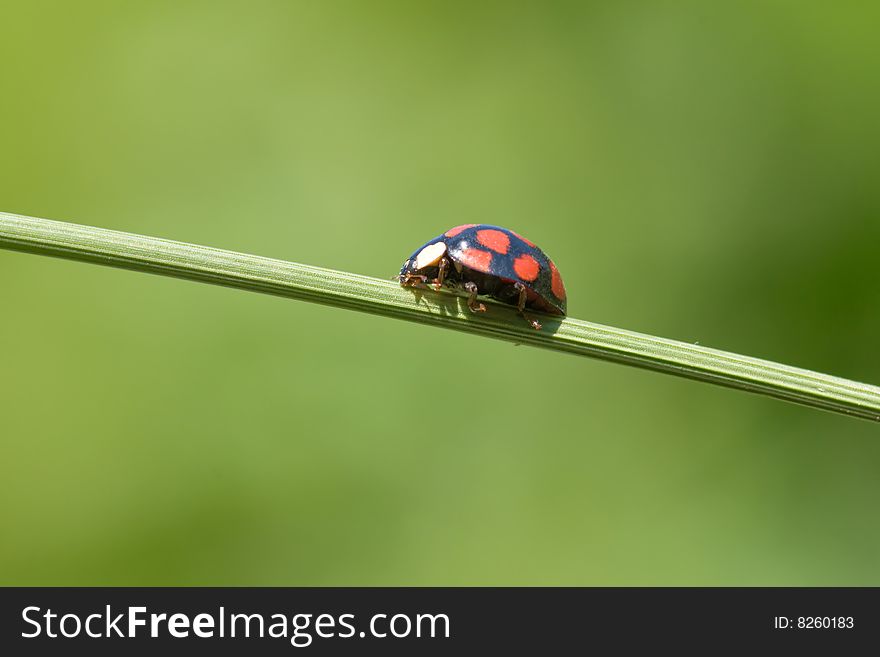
pixel 495 259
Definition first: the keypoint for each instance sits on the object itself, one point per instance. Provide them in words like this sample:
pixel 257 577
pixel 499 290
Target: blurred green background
pixel 702 171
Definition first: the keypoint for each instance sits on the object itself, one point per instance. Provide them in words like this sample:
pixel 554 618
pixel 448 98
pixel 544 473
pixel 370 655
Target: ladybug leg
pixel 413 280
pixel 441 274
pixel 521 306
pixel 473 304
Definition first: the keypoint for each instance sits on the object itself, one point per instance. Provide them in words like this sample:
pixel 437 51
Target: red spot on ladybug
pixel 475 259
pixel 526 267
pixel 529 242
pixel 494 239
pixel 556 282
pixel 452 232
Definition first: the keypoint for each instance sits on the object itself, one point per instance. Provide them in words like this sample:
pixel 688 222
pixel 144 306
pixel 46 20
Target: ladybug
pixel 490 260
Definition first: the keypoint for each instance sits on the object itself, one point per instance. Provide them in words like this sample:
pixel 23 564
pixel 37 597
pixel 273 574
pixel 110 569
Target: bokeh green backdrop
pixel 701 171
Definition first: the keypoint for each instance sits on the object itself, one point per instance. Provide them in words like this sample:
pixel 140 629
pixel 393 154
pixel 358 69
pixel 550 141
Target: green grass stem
pixel 443 309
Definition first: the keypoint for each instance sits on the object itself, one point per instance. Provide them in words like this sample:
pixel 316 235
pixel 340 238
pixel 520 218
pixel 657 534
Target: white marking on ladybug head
pixel 430 255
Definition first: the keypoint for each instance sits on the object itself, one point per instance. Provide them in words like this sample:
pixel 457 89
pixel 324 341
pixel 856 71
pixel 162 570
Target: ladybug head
pixel 425 259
